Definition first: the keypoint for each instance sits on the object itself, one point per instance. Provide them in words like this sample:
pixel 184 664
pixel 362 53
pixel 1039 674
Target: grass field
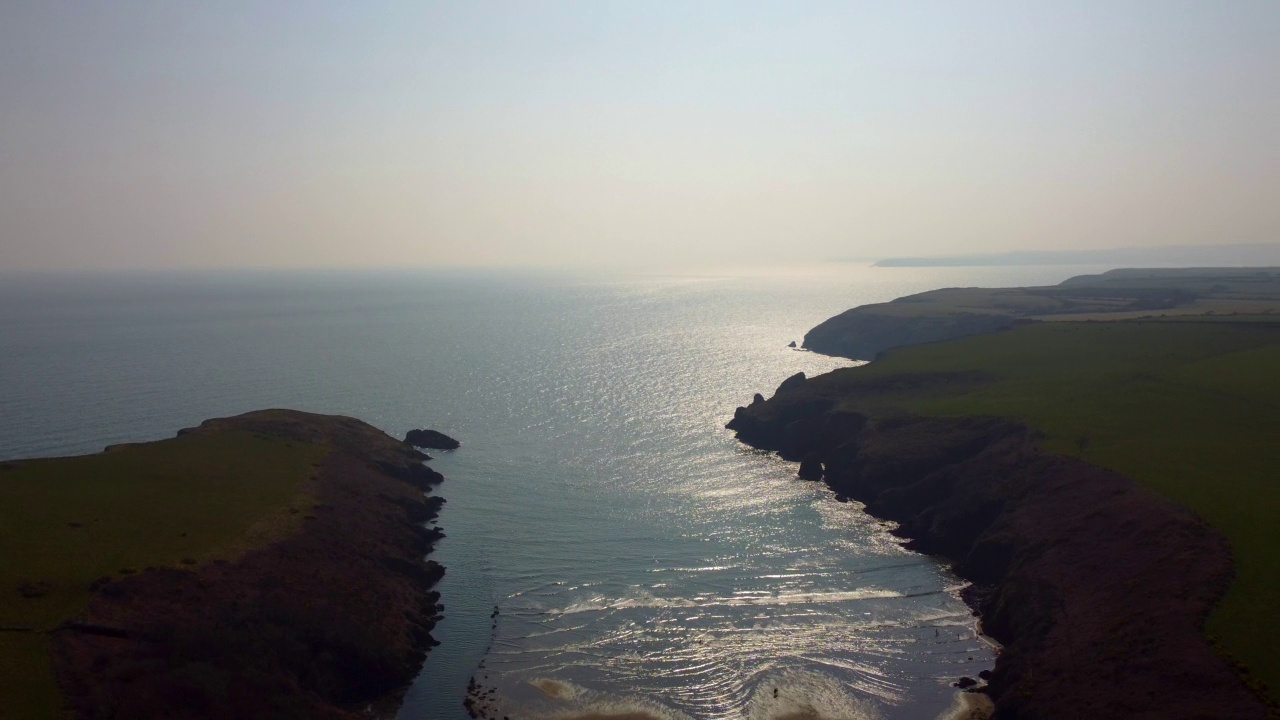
pixel 66 522
pixel 1191 409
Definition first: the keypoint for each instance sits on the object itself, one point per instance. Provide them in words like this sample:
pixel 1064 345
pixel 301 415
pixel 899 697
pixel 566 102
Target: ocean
pixel 638 558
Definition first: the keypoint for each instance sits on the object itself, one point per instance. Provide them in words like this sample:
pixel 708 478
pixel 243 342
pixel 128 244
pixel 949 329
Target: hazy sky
pixel 169 134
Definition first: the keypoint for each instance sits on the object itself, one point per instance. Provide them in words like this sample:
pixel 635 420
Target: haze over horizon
pixel 152 135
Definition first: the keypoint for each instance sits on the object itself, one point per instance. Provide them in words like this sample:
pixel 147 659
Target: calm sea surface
pixel 638 556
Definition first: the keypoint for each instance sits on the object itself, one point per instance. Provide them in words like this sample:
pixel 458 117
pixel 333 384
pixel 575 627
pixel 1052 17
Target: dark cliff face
pixel 325 622
pixel 862 333
pixel 1096 588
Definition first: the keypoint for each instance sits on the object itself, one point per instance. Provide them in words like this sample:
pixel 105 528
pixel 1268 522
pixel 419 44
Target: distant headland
pixel 863 332
pixel 1181 255
pixel 264 565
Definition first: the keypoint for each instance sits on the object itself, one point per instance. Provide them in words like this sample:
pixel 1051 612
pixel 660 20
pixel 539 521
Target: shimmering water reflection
pixel 641 559
pixel 638 555
pixel 798 593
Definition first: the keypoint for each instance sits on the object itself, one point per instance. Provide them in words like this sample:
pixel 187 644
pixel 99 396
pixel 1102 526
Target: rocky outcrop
pixel 795 382
pixel 810 468
pixel 1097 588
pixel 332 620
pixel 431 439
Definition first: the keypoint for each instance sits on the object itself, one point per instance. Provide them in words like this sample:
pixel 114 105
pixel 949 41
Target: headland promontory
pixel 266 565
pixel 1093 457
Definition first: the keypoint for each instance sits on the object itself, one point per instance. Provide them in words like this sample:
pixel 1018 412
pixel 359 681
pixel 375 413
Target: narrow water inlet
pixel 635 549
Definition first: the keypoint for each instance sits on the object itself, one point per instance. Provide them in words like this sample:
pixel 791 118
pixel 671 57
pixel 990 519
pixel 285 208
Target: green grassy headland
pixel 1115 295
pixel 1188 408
pixel 182 502
pixel 1127 294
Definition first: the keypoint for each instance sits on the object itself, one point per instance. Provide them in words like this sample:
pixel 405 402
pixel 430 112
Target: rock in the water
pixel 810 468
pixel 791 344
pixel 965 683
pixel 431 439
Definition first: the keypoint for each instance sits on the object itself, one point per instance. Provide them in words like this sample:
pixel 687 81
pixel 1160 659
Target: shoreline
pixel 326 613
pixel 1096 588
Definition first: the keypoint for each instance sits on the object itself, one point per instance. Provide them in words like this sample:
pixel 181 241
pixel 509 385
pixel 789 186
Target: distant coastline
pixel 1180 255
pixel 865 331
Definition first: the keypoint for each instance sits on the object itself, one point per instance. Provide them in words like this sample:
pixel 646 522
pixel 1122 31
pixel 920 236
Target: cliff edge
pixel 1097 588
pixel 284 577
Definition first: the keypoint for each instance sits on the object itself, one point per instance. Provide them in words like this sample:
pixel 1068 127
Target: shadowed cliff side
pixel 323 609
pixel 1097 588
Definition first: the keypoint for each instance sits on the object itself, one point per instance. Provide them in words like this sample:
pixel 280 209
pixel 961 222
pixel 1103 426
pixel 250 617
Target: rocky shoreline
pixel 1096 588
pixel 331 620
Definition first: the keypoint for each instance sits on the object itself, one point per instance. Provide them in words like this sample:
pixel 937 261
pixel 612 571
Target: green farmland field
pixel 66 522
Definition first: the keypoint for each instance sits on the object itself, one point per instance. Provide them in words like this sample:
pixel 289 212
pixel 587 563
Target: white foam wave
pixel 699 568
pixel 806 695
pixel 567 701
pixel 968 706
pixel 645 599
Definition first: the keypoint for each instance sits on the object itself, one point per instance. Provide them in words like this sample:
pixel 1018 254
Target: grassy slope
pixel 1115 295
pixel 1190 409
pixel 66 522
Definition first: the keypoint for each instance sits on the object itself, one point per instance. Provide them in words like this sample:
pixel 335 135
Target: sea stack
pixel 431 439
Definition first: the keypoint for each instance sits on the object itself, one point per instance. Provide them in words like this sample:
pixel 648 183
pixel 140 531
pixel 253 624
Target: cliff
pixel 317 605
pixel 862 333
pixel 1096 587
